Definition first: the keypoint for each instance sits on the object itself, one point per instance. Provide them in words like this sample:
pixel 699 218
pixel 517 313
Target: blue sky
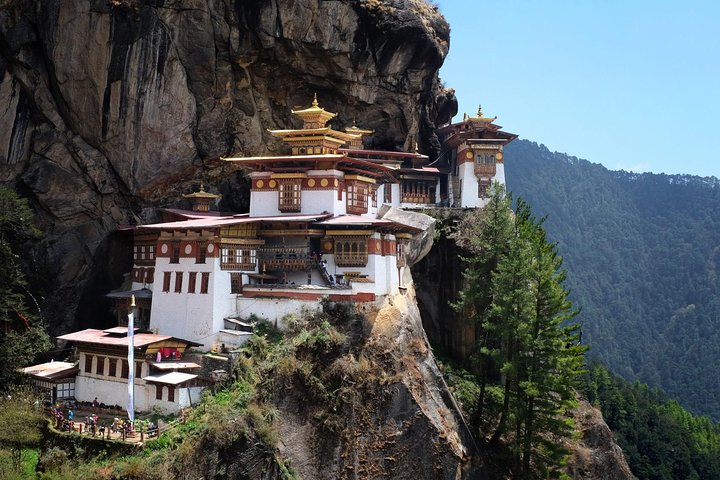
pixel 633 85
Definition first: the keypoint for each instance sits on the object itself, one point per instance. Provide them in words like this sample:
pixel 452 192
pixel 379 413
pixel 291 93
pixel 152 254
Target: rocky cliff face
pixel 402 421
pixel 594 452
pixel 113 106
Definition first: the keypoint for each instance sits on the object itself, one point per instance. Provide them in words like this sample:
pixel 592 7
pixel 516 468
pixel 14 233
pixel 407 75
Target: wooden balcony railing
pixel 286 258
pixel 416 198
pixel 485 169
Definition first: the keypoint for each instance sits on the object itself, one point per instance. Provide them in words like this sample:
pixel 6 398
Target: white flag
pixel 131 361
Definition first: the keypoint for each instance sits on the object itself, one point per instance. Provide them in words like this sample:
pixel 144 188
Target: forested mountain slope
pixel 643 254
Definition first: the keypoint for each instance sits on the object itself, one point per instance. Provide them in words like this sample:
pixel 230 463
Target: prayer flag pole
pixel 131 361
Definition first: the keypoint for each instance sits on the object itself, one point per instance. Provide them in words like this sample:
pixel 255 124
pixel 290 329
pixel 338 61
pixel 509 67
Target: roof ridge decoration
pixel 314 116
pixel 479 117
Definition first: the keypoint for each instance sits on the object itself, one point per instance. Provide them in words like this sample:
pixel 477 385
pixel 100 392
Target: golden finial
pixel 132 300
pixel 315 102
pixel 202 186
pixel 416 147
pixel 465 117
pixel 479 111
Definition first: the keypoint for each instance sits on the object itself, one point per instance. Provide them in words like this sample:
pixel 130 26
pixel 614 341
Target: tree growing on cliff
pixel 485 236
pixel 23 335
pixel 527 353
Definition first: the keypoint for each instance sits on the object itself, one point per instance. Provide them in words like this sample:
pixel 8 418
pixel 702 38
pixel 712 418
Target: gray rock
pixel 114 107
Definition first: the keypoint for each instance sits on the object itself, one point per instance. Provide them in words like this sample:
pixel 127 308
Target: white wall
pixel 499 173
pixel 186 315
pixel 264 203
pixel 469 197
pixel 273 310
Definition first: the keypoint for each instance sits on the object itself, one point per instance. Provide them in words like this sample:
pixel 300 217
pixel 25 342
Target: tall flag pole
pixel 131 361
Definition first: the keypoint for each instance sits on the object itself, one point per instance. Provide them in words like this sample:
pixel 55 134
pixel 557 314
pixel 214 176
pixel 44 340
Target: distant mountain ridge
pixel 643 256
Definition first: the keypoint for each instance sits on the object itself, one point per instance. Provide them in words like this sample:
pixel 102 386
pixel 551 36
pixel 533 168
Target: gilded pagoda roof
pixel 310 132
pixel 358 131
pixel 301 163
pixel 202 194
pixel 314 113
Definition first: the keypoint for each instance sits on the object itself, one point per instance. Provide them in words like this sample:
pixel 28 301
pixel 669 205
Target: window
pixel 400 252
pixel 124 371
pixel 149 275
pixel 158 392
pixel 205 282
pixel 166 281
pixel 66 390
pixel 485 163
pixel 100 366
pixel 485 159
pixel 236 283
pixel 144 254
pixel 191 282
pixel 417 191
pixel 289 195
pixel 357 197
pixel 175 252
pixel 138 369
pixel 351 252
pixel 373 195
pixel 112 370
pixel 201 253
pixel 237 257
pixel 171 394
pixel 483 187
pixel 178 282
pixel 387 192
pixel 88 363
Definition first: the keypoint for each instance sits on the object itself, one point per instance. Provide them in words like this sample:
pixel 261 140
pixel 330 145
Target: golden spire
pixel 132 301
pixel 465 116
pixel 202 186
pixel 315 102
pixel 479 111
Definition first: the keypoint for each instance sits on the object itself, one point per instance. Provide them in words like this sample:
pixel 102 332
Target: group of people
pixel 64 416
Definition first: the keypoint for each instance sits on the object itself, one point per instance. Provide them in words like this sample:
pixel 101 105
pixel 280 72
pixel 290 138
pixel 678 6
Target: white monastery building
pixel 315 230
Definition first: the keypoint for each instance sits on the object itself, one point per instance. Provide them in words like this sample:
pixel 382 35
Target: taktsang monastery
pixel 315 229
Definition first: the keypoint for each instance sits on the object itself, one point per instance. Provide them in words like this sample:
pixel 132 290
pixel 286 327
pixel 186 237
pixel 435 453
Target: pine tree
pixel 552 358
pixel 485 234
pixel 527 351
pixel 23 335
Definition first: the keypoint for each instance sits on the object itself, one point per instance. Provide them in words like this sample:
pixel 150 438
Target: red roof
pixel 199 223
pixel 292 218
pixel 92 335
pixel 238 219
pixel 385 153
pixel 193 214
pixel 357 220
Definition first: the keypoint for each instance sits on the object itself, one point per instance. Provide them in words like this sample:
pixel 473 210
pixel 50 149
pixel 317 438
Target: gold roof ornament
pixel 201 200
pixel 314 116
pixel 132 301
pixel 357 130
pixel 481 118
pixel 202 193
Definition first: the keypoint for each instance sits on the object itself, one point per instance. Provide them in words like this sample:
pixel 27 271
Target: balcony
pixel 417 198
pixel 286 258
pixel 485 169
